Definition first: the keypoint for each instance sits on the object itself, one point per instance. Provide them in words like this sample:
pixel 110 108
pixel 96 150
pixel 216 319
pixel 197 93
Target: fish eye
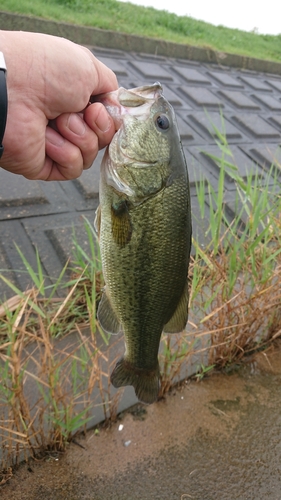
pixel 162 122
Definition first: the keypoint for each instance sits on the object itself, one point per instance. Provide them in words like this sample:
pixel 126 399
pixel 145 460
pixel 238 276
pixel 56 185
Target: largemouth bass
pixel 144 227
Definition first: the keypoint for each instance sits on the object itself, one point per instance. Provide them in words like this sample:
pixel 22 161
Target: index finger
pixel 104 79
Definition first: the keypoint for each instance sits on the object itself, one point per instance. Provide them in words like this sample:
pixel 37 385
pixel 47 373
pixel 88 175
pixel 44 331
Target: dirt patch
pixel 216 439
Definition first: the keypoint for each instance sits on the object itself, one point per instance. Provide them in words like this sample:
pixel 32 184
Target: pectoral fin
pixel 178 321
pixel 121 224
pixel 107 317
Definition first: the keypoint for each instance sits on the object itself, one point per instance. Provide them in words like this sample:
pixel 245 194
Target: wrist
pixel 3 101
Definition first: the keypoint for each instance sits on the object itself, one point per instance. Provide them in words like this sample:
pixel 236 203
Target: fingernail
pixel 103 121
pixel 76 124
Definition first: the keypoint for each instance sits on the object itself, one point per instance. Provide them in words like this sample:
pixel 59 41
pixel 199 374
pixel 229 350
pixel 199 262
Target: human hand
pixel 51 132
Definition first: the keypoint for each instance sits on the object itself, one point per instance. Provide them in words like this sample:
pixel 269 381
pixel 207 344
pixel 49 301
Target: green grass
pixel 128 18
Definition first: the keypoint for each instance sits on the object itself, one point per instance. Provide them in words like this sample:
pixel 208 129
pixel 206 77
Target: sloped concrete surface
pixel 245 105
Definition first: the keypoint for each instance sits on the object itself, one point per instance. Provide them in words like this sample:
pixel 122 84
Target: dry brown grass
pixel 49 387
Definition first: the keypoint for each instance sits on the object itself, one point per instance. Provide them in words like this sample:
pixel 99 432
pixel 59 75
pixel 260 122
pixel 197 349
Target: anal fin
pixel 107 317
pixel 178 321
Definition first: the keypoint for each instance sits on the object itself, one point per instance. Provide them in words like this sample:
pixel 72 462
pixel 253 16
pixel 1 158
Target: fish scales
pixel 145 239
pixel 141 275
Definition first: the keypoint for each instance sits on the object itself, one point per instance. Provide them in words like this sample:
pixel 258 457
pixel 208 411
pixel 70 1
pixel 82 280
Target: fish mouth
pixel 123 101
pixel 140 95
pixel 130 98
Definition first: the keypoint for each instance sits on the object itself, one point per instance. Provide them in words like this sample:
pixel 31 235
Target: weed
pixel 203 371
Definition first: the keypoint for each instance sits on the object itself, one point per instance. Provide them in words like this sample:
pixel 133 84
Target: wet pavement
pixel 218 439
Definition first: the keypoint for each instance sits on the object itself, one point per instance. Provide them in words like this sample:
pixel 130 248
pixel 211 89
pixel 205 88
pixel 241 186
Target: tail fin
pixel 145 382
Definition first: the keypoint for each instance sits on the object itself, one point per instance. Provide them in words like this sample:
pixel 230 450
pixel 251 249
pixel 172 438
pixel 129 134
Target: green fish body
pixel 144 226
